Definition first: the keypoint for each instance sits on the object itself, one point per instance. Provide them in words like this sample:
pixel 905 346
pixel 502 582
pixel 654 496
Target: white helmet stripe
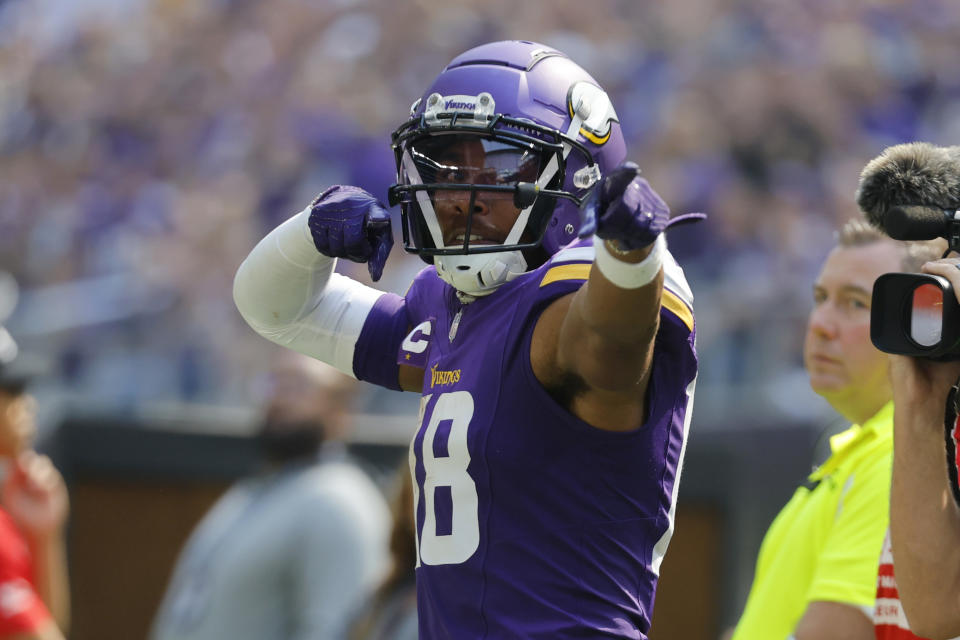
pixel 548 172
pixel 423 199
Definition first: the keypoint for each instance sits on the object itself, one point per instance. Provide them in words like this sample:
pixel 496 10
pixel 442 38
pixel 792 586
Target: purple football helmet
pixel 516 131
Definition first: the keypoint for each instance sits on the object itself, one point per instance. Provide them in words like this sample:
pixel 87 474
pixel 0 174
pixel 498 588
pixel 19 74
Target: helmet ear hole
pixel 562 228
pixel 463 267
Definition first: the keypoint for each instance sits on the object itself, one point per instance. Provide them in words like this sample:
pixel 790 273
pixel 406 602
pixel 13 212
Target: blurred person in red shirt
pixel 34 589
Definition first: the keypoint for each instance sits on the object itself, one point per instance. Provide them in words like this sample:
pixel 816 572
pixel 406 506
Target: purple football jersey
pixel 530 522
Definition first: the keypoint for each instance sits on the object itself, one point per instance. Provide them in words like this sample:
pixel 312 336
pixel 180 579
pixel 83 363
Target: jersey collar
pixel 881 422
pixel 843 443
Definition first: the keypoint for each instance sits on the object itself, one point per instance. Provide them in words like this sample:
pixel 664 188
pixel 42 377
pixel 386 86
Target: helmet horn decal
pixel 597 111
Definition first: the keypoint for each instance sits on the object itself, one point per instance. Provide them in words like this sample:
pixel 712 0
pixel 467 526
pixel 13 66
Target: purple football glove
pixel 625 208
pixel 347 222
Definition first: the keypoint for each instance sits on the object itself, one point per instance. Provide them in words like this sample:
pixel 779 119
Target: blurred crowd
pixel 146 146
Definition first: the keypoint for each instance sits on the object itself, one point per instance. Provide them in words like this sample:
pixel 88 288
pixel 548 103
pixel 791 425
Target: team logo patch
pixel 414 350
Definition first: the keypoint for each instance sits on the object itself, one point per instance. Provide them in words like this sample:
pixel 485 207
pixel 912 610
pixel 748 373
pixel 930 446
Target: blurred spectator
pixel 291 553
pixel 391 614
pixel 34 589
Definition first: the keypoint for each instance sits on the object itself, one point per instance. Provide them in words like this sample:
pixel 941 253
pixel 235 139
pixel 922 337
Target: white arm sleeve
pixel 287 292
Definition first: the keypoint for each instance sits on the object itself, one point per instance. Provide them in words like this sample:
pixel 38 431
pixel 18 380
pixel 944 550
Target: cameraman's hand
pixel 949 268
pixel 923 384
pixel 347 222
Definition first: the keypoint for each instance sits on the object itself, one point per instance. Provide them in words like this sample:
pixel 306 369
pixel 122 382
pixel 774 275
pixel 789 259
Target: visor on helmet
pixel 475 160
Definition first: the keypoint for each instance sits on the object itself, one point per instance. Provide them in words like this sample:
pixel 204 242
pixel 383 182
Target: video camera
pixel 912 192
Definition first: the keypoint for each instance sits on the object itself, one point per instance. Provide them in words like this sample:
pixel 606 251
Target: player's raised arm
pixel 597 344
pixel 287 292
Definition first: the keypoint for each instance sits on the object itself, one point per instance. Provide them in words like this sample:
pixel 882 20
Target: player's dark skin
pixel 594 347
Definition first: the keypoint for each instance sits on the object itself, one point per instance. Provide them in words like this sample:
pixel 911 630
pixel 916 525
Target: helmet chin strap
pixel 581 111
pixel 480 274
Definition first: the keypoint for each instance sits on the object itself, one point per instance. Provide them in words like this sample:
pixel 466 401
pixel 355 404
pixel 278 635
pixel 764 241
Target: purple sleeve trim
pixel 375 354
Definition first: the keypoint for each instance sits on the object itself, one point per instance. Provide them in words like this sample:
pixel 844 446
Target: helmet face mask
pixel 462 192
pixel 497 157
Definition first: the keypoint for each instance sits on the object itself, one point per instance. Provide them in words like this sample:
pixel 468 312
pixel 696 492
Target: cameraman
pixel 817 568
pixel 924 512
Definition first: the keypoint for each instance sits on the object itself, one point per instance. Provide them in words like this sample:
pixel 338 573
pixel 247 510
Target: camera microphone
pixel 910 191
pixel 917 223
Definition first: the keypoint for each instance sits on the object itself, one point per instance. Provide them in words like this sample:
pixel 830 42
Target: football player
pixel 557 372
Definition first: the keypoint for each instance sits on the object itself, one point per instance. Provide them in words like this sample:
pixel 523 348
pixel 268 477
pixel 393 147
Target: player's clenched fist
pixel 348 222
pixel 624 208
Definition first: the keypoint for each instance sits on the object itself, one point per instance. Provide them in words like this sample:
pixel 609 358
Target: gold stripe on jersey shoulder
pixel 581 271
pixel 678 307
pixel 574 271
